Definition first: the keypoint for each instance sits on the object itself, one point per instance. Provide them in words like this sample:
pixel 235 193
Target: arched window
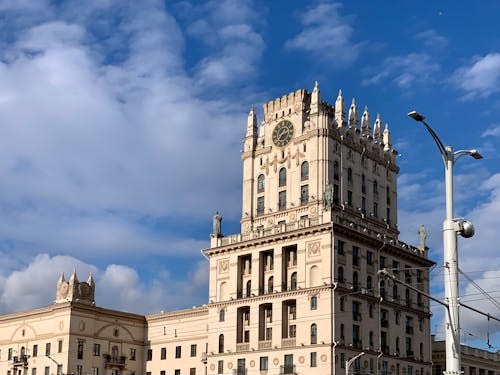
pixel 336 170
pixel 375 187
pixel 304 171
pixel 340 275
pixel 314 333
pixel 221 343
pixel 314 302
pixel 293 281
pixel 260 183
pixel 369 283
pixel 382 289
pixel 395 292
pixel 349 175
pixel 222 315
pixel 355 280
pixel 249 288
pixel 223 291
pixel 314 277
pixel 282 177
pixel 270 284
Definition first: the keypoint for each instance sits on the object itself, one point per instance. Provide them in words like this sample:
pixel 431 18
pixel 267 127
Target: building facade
pixel 297 291
pixel 474 361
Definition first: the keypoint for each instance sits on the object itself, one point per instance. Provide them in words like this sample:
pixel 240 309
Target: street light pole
pixel 349 362
pixel 451 226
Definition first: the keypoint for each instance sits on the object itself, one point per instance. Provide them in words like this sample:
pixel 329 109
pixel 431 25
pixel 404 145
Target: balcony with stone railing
pixel 114 361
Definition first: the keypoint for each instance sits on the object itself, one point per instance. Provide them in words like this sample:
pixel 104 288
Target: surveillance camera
pixel 465 228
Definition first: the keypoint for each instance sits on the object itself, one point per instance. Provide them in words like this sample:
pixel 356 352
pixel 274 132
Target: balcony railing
pixel 242 347
pixel 286 343
pixel 21 360
pixel 287 370
pixel 240 371
pixel 114 361
pixel 265 344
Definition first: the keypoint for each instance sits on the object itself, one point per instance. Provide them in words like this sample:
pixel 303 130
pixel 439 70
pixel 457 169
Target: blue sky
pixel 121 127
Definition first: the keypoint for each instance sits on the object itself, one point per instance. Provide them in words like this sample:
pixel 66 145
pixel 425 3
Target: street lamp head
pixel 416 116
pixel 475 154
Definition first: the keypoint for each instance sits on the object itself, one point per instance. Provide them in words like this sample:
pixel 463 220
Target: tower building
pixel 297 291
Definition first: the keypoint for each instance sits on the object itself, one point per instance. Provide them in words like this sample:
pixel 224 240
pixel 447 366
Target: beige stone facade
pixel 295 292
pixel 474 361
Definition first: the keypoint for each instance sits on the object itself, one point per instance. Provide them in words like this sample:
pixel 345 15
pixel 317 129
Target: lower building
pixel 474 361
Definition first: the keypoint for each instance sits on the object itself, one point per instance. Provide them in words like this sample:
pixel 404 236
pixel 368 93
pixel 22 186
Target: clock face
pixel 283 133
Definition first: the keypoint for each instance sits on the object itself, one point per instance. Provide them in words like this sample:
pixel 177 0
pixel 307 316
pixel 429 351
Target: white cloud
pixel 95 144
pixel 117 286
pixel 326 34
pixel 404 71
pixel 492 131
pixel 480 78
pixel 432 39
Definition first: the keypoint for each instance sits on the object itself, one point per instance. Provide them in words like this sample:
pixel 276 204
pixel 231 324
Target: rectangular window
pixel 162 372
pixel 34 352
pixel 342 360
pixel 59 345
pixel 59 370
pixel 382 262
pixel 193 350
pixel 97 350
pixel 336 194
pixel 47 370
pixel 355 256
pixel 177 372
pixel 314 362
pixel 220 367
pixel 95 370
pixel 260 205
pixel 314 302
pixel 33 371
pixel 149 355
pixel 340 247
pixel 395 267
pixel 79 353
pixel 369 258
pixel 178 351
pixel 282 200
pixel 192 371
pixel 375 209
pixel 132 354
pixel 349 198
pixel 47 348
pixel 264 363
pixel 163 353
pixel 79 369
pixel 304 194
pixel 9 354
pixel 293 331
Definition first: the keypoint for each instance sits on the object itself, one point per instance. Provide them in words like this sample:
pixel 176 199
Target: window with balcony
pixel 260 183
pixel 260 205
pixel 304 194
pixel 282 177
pixel 221 343
pixel 289 367
pixel 282 200
pixel 304 171
pixel 314 333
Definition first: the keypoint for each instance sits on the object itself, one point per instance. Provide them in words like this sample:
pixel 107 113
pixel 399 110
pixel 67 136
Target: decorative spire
pixel 377 130
pixel 315 98
pixel 387 138
pixel 90 280
pixel 61 278
pixel 340 111
pixel 251 122
pixel 353 115
pixel 73 278
pixel 365 124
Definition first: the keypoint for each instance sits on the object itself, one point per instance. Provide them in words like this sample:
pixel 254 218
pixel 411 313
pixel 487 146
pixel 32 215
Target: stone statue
pixel 422 233
pixel 328 196
pixel 217 224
